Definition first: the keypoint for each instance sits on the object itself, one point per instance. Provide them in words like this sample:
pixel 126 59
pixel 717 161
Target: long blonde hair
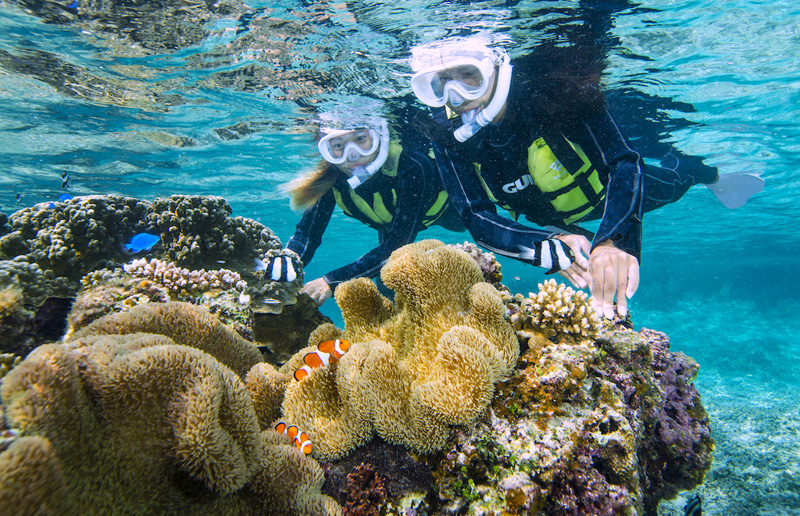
pixel 308 188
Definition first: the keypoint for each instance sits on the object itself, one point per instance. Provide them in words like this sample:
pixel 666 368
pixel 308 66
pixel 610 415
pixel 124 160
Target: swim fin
pixel 733 190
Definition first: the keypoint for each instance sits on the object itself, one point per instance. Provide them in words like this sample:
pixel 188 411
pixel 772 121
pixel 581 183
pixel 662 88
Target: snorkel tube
pixel 362 174
pixel 468 130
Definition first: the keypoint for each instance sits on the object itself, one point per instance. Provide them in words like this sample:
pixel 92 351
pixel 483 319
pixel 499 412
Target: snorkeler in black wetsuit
pixel 390 184
pixel 547 148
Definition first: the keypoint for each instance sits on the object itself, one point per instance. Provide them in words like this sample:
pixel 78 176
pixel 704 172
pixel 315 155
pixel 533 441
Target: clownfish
pixel 328 352
pixel 300 439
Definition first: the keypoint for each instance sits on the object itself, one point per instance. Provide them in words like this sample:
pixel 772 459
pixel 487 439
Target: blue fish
pixel 142 242
pixel 52 205
pixel 64 197
pixel 694 507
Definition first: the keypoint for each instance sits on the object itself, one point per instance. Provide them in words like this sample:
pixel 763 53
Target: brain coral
pixel 116 421
pixel 429 361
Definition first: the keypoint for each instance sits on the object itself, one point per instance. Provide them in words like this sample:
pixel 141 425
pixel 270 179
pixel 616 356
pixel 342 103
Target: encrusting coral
pixel 415 367
pixel 117 421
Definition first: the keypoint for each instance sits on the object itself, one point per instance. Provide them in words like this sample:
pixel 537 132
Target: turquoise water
pixel 203 100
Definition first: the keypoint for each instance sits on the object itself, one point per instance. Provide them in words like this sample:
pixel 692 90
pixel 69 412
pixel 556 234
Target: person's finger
pixel 586 248
pixel 622 287
pixel 596 288
pixel 633 279
pixel 609 289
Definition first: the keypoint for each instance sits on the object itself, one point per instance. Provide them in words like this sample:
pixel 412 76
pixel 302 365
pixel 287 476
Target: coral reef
pixel 598 428
pixel 50 246
pixel 139 413
pixel 7 362
pixel 555 311
pixel 141 281
pixel 490 267
pixel 414 368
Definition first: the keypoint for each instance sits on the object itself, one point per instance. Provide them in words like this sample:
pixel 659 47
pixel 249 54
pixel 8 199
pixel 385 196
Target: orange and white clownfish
pixel 300 439
pixel 328 352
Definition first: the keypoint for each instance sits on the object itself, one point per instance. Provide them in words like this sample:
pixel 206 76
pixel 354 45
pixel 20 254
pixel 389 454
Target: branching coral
pixel 555 311
pixel 414 368
pixel 123 422
pixel 142 281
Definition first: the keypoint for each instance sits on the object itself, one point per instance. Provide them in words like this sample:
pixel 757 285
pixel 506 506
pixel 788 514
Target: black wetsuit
pixel 417 188
pixel 629 186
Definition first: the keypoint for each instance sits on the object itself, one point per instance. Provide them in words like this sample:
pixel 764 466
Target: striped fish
pixel 328 352
pixel 299 438
pixel 694 507
pixel 277 268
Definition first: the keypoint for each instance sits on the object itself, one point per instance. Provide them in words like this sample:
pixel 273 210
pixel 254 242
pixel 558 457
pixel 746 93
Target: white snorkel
pixel 362 174
pixel 484 116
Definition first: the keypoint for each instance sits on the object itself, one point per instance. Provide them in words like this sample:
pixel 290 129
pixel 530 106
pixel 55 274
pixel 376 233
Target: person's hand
pixel 318 290
pixel 613 273
pixel 578 272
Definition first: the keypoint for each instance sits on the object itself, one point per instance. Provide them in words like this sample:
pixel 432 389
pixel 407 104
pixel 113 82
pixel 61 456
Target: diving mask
pixel 455 80
pixel 339 145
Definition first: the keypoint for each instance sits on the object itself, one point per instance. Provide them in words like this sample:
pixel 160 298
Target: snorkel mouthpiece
pixel 468 130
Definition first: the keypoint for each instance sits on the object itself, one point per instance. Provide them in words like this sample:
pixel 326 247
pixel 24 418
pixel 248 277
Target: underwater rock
pixel 415 367
pixel 597 428
pixel 286 333
pixel 137 414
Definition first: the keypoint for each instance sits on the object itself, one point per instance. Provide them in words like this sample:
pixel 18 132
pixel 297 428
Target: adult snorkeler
pixel 541 143
pixel 385 180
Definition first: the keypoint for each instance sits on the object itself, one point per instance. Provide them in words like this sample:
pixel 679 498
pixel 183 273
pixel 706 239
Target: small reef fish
pixel 300 439
pixel 142 242
pixel 18 197
pixel 64 197
pixel 694 507
pixel 328 352
pixel 279 268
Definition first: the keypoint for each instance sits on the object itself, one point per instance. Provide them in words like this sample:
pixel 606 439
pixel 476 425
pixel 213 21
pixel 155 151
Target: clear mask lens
pixel 340 146
pixel 466 81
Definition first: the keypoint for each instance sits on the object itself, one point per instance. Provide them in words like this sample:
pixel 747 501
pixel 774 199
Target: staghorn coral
pixel 50 246
pixel 137 423
pixel 556 311
pixel 414 368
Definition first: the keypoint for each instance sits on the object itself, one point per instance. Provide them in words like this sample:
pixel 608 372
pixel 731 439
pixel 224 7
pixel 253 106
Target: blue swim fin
pixel 733 190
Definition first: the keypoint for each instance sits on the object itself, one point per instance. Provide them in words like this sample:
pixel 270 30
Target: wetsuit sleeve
pixel 308 233
pixel 622 216
pixel 416 181
pixel 490 230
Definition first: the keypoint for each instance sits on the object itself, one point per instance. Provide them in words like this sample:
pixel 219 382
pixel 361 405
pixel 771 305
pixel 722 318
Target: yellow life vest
pixel 375 211
pixel 572 194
